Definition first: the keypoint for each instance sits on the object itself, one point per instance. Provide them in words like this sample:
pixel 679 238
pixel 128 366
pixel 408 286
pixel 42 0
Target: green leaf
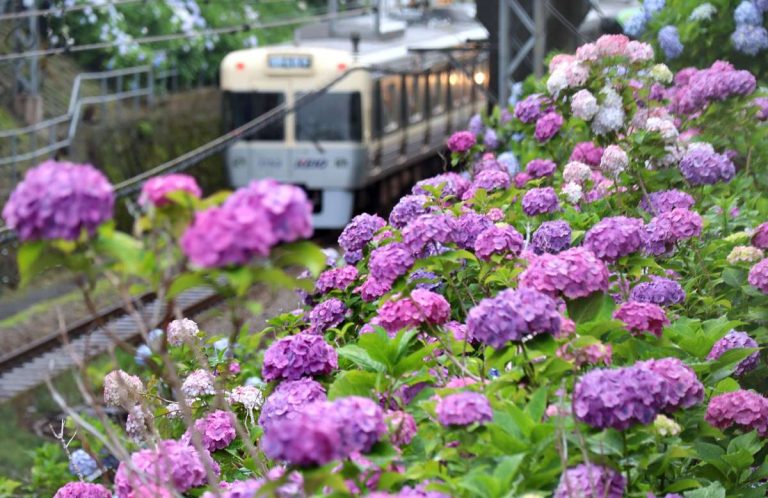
pixel 538 403
pixel 589 308
pixel 33 260
pixel 360 357
pixel 714 490
pixel 184 282
pixel 302 253
pixel 352 383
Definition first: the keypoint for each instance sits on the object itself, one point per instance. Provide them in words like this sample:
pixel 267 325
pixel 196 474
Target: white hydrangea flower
pixel 661 73
pixel 665 127
pixel 614 161
pixel 703 12
pixel 576 172
pixel 122 389
pixel 557 82
pixel 744 254
pixel 182 331
pixel 573 192
pixel 665 426
pixel 198 383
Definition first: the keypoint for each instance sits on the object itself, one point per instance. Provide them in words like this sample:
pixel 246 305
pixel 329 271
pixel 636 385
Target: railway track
pixel 49 356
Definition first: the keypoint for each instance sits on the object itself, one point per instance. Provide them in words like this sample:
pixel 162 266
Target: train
pixel 407 85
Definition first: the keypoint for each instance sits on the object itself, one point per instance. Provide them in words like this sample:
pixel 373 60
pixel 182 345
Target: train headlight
pixel 453 79
pixel 479 78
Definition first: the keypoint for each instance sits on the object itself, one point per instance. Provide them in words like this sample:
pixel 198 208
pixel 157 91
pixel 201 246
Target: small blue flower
pixel 651 7
pixel 254 381
pixel 143 353
pixel 747 13
pixel 669 40
pixel 221 344
pixel 494 373
pixel 749 39
pixel 155 336
pixel 476 125
pixel 81 463
pixel 516 92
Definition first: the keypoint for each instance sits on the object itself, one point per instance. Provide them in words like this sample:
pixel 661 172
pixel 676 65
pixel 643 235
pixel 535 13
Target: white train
pixel 360 141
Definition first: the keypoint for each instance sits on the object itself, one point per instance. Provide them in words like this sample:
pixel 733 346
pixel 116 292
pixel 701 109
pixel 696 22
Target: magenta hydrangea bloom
pixel 423 306
pixel 373 289
pixel 305 440
pixel 171 463
pixel 462 409
pixel 402 427
pixel 585 480
pixel 618 398
pixel 737 340
pixel 587 153
pixel 539 168
pixel 615 237
pixel 449 184
pixel 360 231
pixel 551 237
pixel 361 423
pixel 288 398
pixel 666 200
pixel 58 200
pixel 574 273
pixel 389 262
pixel 758 276
pixel 221 236
pixel 540 200
pixel 488 180
pixel 217 430
pixel 155 191
pixel 409 208
pixel 668 228
pixel 297 356
pixel 461 141
pixel 660 290
pixel 547 126
pixel 428 229
pixel 468 227
pixel 701 165
pixel 82 490
pixel 747 410
pixel 512 316
pixel 287 208
pixel 760 236
pixel 684 389
pixel 501 239
pixel 326 315
pixel 531 108
pixel 335 279
pixel 642 317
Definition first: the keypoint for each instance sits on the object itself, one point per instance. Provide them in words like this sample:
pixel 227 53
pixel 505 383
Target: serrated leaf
pixel 360 357
pixel 352 383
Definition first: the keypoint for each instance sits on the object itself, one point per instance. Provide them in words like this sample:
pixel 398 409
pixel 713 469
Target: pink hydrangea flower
pixel 155 191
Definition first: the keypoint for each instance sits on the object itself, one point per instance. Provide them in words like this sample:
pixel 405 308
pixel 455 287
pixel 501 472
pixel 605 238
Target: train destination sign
pixel 289 61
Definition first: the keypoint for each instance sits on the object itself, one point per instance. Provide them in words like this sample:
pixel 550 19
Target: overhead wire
pixel 564 20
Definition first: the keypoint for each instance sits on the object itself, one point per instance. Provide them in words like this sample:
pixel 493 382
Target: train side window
pixel 437 92
pixel 389 105
pixel 242 107
pixel 333 116
pixel 415 97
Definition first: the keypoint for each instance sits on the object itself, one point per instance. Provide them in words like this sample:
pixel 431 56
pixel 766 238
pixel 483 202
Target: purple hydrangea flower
pixel 758 276
pixel 288 398
pixel 461 141
pixel 737 340
pixel 666 200
pixel 502 239
pixel 326 315
pixel 540 200
pixel 547 126
pixel 82 490
pixel 615 237
pixel 475 125
pixel 488 180
pixel 488 163
pixel 574 273
pixel 642 317
pixel 660 290
pixel 462 409
pixel 539 168
pixel 587 153
pixel 585 480
pixel 618 398
pixel 670 227
pixel 701 165
pixel 217 430
pixel 468 227
pixel 669 40
pixel 428 229
pixel 59 200
pixel 389 262
pixel 450 184
pixel 305 440
pixel 761 103
pixel 360 231
pixel 170 463
pixel 402 427
pixel 335 279
pixel 408 208
pixel 297 356
pixel 531 108
pixel 684 389
pixel 512 316
pixel 490 139
pixel 425 280
pixel 760 236
pixel 361 423
pixel 745 409
pixel 155 191
pixel 373 289
pixel 551 237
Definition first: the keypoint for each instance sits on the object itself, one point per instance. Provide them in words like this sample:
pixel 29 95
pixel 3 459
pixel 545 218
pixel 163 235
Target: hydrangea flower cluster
pixel 307 439
pixel 659 290
pixel 512 316
pixel 389 262
pixel 547 126
pixel 587 153
pixel 122 389
pixel 669 41
pixel 745 409
pixel 695 89
pixel 498 239
pixel 666 200
pixel 422 306
pixel 82 490
pixel 744 254
pixel 574 273
pixel 760 236
pixel 407 208
pixel 288 398
pixel 449 184
pixel 461 141
pixel 737 340
pixel 551 237
pixel 701 165
pixel 155 191
pixel 359 232
pixel 642 317
pixel 539 168
pixel 463 409
pixel 758 276
pixel 684 389
pixel 297 356
pixel 182 331
pixel 335 279
pixel 591 480
pixel 541 200
pixel 198 383
pixel 401 427
pixel 217 430
pixel 669 228
pixel 326 315
pixel 615 237
pixel 59 200
pixel 532 108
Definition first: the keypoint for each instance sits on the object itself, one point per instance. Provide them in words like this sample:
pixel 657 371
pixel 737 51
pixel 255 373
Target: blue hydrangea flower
pixel 747 13
pixel 635 25
pixel 476 125
pixel 509 159
pixel 669 40
pixel 143 353
pixel 749 39
pixel 651 7
pixel 81 463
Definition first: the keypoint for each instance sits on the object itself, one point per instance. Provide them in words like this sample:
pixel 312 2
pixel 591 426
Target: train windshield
pixel 330 117
pixel 242 107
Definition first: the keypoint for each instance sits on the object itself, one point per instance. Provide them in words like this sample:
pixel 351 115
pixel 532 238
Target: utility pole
pixel 26 88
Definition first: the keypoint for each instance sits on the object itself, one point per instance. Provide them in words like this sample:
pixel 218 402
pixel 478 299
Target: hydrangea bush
pixel 588 326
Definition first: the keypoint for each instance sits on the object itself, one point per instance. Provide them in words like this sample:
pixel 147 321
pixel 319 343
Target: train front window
pixel 242 107
pixel 333 117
